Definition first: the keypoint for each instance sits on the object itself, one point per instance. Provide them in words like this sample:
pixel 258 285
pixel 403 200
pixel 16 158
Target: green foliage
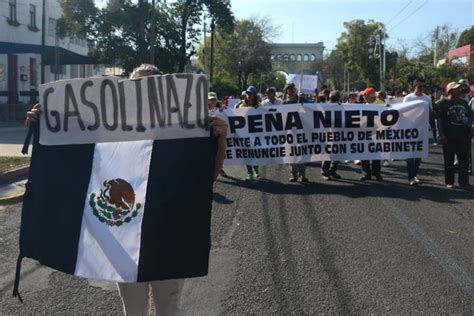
pixel 242 56
pixel 121 32
pixel 224 87
pixel 466 37
pixel 188 14
pixel 353 45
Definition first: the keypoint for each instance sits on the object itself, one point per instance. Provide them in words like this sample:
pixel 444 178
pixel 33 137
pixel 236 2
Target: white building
pixel 20 50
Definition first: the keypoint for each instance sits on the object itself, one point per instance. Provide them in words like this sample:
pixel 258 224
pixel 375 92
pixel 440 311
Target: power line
pixel 417 9
pixel 409 2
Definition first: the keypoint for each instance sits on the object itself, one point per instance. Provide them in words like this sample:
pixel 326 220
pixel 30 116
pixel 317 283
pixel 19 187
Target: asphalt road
pixel 332 247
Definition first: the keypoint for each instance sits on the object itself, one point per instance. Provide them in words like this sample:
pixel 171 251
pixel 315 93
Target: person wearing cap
pixel 297 170
pixel 455 133
pixel 271 98
pixel 371 167
pixel 251 100
pixel 212 101
pixel 413 164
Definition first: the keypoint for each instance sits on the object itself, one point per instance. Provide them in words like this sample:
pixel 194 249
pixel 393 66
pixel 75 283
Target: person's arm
pixel 219 130
pixel 33 115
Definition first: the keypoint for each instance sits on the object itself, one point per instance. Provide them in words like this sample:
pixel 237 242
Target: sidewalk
pixel 11 140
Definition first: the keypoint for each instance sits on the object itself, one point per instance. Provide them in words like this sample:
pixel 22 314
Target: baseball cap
pixel 212 95
pixel 452 85
pixel 251 89
pixel 368 90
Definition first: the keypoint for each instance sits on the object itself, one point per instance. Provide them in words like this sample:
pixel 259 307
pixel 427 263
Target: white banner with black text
pixel 300 133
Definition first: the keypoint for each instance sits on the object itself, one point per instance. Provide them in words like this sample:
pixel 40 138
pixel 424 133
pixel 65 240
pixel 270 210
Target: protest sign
pixel 108 109
pixel 231 103
pixel 98 206
pixel 305 83
pixel 300 133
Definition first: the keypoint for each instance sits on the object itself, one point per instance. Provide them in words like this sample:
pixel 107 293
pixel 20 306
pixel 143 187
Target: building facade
pixel 296 58
pixel 463 55
pixel 21 50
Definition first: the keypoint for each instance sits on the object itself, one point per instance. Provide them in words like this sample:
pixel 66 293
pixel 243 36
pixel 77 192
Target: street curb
pixel 12 199
pixel 14 175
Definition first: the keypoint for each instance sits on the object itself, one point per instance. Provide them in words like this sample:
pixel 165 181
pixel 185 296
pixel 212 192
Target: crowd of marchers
pixel 450 120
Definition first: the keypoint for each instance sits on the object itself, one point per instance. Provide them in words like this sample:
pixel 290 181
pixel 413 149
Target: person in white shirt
pixel 413 164
pixel 271 98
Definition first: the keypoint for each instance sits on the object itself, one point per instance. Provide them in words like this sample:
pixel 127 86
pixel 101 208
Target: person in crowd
pixel 271 97
pixel 212 101
pixel 352 97
pixel 433 121
pixel 329 168
pixel 413 164
pixel 455 133
pixel 251 100
pixel 166 294
pixel 303 98
pixel 371 168
pixel 382 96
pixel 297 170
pixel 325 94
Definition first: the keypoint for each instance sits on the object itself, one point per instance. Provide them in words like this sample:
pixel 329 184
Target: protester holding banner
pixel 271 97
pixel 352 97
pixel 413 164
pixel 297 170
pixel 250 100
pixel 455 133
pixel 166 291
pixel 367 170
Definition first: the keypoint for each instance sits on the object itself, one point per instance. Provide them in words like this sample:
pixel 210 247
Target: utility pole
pixel 153 33
pixel 211 70
pixel 436 35
pixel 43 48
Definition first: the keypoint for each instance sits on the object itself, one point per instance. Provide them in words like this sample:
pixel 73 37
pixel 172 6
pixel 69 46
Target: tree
pixel 354 45
pixel 242 56
pixel 446 40
pixel 189 14
pixel 466 37
pixel 121 35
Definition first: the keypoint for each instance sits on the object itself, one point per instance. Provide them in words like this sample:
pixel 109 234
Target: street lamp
pixel 377 50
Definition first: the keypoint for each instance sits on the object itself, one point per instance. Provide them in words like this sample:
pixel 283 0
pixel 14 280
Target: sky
pixel 312 21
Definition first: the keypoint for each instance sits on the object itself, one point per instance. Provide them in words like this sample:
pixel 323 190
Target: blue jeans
pixel 413 164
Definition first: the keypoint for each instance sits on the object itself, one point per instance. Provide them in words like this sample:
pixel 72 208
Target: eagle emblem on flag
pixel 115 205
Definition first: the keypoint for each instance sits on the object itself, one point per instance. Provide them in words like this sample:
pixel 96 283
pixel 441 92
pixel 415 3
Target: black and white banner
pixel 298 133
pixel 101 206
